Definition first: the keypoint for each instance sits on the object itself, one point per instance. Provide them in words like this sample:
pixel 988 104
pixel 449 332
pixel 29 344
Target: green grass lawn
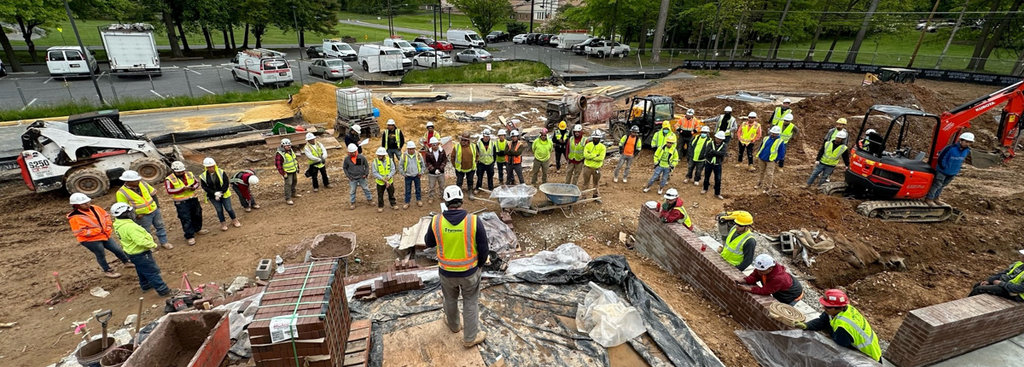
pixel 417 21
pixel 501 72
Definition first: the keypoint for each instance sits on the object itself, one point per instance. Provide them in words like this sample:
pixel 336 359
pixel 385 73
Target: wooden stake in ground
pixel 60 288
pixel 138 321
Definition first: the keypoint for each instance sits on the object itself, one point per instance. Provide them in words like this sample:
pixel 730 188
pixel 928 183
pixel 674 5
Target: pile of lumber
pixel 540 95
pixel 609 89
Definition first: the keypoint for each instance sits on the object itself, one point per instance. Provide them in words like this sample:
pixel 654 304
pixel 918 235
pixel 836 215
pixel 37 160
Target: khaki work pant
pixel 572 174
pixel 469 287
pixel 590 174
pixel 542 167
pixel 766 180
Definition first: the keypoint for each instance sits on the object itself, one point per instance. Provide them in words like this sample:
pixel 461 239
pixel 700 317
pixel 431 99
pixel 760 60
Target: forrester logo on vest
pixel 452 230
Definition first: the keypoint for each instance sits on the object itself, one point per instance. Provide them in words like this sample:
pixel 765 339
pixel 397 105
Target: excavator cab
pixel 893 160
pixel 645 112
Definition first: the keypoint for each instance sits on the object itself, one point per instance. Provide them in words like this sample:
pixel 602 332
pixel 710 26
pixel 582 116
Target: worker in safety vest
pixel 353 137
pixel 660 136
pixel 828 157
pixel 727 123
pixel 218 192
pixel 182 185
pixel 738 244
pixel 436 160
pixel 431 133
pixel 748 134
pixel 774 279
pixel 461 243
pixel 542 149
pixel 688 126
pixel 94 230
pixel 673 210
pixel 464 161
pixel 772 149
pixel 848 327
pixel 1007 284
pixel 499 152
pixel 560 138
pixel 574 151
pixel 317 156
pixel 593 159
pixel 485 159
pixel 241 184
pixel 839 126
pixel 695 162
pixel 287 164
pixel 141 196
pixel 780 112
pixel 392 140
pixel 138 245
pixel 788 129
pixel 629 146
pixel 514 156
pixel 383 171
pixel 666 159
pixel 412 167
pixel 716 151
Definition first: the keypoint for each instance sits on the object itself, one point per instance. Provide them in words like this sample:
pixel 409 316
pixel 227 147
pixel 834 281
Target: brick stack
pixel 938 332
pixel 676 249
pixel 405 264
pixel 315 292
pixel 394 283
pixel 357 350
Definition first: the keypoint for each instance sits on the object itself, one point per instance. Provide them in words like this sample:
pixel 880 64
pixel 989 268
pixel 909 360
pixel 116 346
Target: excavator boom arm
pixel 958 119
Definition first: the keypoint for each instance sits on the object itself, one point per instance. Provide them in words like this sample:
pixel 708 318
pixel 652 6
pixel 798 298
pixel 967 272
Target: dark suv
pixel 498 36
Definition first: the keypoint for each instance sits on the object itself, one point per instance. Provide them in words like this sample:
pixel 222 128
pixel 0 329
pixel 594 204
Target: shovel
pixel 103 317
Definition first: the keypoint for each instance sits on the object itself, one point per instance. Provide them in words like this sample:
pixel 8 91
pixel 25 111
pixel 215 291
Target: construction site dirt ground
pixel 942 260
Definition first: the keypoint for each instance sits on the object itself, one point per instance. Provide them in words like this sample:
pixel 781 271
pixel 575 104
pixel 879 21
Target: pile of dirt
pixel 317 103
pixel 267 112
pixel 332 246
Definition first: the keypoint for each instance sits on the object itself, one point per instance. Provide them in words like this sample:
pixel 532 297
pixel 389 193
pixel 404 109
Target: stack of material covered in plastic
pixel 303 318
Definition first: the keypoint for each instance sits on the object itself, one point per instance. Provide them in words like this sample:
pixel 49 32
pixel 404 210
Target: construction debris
pixel 745 97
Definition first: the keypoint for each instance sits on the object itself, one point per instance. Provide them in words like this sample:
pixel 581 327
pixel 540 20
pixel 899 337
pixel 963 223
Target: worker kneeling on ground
pixel 1007 284
pixel 461 243
pixel 673 210
pixel 739 244
pixel 138 245
pixel 849 328
pixel 775 281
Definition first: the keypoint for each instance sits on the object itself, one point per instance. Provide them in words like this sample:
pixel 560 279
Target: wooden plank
pixel 359 334
pixel 356 346
pixel 430 344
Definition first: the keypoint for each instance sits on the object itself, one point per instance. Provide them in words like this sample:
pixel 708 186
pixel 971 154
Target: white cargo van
pixel 465 38
pixel 261 67
pixel 70 61
pixel 335 49
pixel 382 59
pixel 407 49
pixel 568 39
pixel 131 49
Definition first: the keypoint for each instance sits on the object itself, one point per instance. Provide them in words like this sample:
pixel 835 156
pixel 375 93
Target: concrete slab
pixel 1005 353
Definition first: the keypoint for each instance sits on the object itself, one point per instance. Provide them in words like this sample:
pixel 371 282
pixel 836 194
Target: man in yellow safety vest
pixel 661 136
pixel 182 185
pixel 141 196
pixel 574 151
pixel 695 162
pixel 217 185
pixel 412 169
pixel 787 130
pixel 486 150
pixel 461 243
pixel 748 134
pixel 828 157
pixel 383 171
pixel 560 139
pixel 738 244
pixel 287 165
pixel 780 112
pixel 848 326
pixel 666 159
pixel 593 159
pixel 464 160
pixel 1007 284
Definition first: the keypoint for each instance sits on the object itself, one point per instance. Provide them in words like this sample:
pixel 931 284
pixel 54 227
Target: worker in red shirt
pixel 775 281
pixel 673 210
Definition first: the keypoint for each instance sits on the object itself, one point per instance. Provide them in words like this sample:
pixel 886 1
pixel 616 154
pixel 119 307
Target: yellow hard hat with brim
pixel 741 217
pixel 666 125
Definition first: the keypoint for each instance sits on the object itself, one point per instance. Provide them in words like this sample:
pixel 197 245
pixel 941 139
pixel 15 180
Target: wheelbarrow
pixel 559 196
pixel 319 241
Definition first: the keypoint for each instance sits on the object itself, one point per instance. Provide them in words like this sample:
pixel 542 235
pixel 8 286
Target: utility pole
pixel 85 53
pixel 923 31
pixel 295 19
pixel 531 16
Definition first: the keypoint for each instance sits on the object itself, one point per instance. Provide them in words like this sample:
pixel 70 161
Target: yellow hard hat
pixel 562 125
pixel 841 121
pixel 671 139
pixel 741 217
pixel 666 125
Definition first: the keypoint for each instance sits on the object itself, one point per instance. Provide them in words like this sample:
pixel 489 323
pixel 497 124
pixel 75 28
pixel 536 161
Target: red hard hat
pixel 834 298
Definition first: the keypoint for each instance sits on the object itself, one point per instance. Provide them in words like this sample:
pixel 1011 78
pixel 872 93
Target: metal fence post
pixel 112 90
pixel 301 82
pixel 219 78
pixel 151 85
pixel 188 83
pixel 20 93
pixel 68 87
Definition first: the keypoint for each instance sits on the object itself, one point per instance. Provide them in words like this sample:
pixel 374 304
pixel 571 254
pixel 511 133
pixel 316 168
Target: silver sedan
pixel 473 55
pixel 330 69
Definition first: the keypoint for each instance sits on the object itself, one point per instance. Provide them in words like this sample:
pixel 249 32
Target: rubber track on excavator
pixel 905 211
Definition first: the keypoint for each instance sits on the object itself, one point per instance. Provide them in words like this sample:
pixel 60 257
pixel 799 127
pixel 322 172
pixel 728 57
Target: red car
pixel 437 45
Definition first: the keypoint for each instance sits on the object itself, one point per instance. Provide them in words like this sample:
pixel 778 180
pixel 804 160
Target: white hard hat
pixel 787 117
pixel 515 132
pixel 286 141
pixel 671 194
pixel 352 148
pixel 486 134
pixel 391 122
pixel 310 136
pixel 502 132
pixel 775 130
pixel 119 208
pixel 253 180
pixel 870 131
pixel 209 162
pixel 356 128
pixel 452 192
pixel 130 175
pixel 967 137
pixel 79 198
pixel 786 100
pixel 577 127
pixel 728 108
pixel 430 124
pixel 382 151
pixel 177 166
pixel 705 129
pixel 841 135
pixel 690 112
pixel 763 262
pixel 596 134
pixel 720 135
pixel 752 114
pixel 433 140
pixel 410 145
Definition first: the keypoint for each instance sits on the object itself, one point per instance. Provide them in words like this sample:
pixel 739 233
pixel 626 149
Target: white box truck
pixel 382 59
pixel 131 49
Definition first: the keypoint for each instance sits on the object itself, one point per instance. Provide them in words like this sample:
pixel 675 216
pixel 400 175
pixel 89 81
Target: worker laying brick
pixel 848 327
pixel 775 281
pixel 739 244
pixel 1007 284
pixel 673 210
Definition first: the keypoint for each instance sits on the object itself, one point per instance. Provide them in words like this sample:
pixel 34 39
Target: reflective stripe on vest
pixel 457 163
pixel 289 164
pixel 830 157
pixel 686 217
pixel 775 148
pixel 220 180
pixel 176 184
pixel 318 152
pixel 1018 269
pixel 456 245
pixel 517 159
pixel 486 152
pixel 778 115
pixel 502 146
pixel 863 337
pixel 714 160
pixel 383 169
pixel 576 149
pixel 671 159
pixel 688 124
pixel 415 157
pixel 787 132
pixel 748 132
pixel 398 138
pixel 732 252
pixel 561 135
pixel 698 146
pixel 144 203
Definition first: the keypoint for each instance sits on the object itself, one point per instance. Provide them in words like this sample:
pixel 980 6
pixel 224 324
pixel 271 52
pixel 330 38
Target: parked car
pixel 553 42
pixel 421 47
pixel 382 59
pixel 497 36
pixel 432 59
pixel 607 48
pixel 437 45
pixel 261 67
pixel 330 69
pixel 465 38
pixel 473 55
pixel 69 61
pixel 520 38
pixel 579 48
pixel 407 49
pixel 544 39
pixel 531 38
pixel 335 49
pixel 315 52
pixel 3 71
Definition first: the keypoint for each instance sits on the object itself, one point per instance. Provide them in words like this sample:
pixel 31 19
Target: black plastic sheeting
pixel 525 318
pixel 189 136
pixel 796 348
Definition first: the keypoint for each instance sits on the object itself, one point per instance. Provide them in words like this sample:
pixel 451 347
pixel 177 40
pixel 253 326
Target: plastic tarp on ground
pixel 797 348
pixel 528 318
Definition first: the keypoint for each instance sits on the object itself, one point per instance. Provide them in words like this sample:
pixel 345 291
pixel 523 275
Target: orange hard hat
pixel 834 298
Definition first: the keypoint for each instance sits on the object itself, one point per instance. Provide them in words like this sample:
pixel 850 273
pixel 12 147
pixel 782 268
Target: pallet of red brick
pixel 315 294
pixel 390 282
pixel 357 349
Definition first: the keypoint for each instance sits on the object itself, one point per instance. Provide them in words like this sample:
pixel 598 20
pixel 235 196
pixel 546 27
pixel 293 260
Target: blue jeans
pixel 820 169
pixel 662 172
pixel 353 184
pixel 190 214
pixel 156 221
pixel 222 205
pixel 149 273
pixel 409 182
pixel 938 184
pixel 97 249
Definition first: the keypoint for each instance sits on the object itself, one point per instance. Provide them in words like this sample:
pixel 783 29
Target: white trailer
pixel 131 49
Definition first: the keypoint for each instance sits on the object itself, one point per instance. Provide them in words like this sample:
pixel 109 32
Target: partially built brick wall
pixel 939 332
pixel 676 249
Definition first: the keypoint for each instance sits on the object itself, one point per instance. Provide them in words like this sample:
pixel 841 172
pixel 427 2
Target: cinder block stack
pixel 315 294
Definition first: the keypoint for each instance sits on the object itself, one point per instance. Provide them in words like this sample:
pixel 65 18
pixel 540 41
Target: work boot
pixel 624 180
pixel 738 165
pixel 289 202
pixel 191 241
pixel 647 188
pixel 780 169
pixel 236 223
pixel 660 189
pixel 352 206
pixel 696 182
pixel 685 180
pixel 114 274
pixel 615 179
pixel 204 231
pixel 316 190
pixel 471 197
pixel 223 226
pixel 394 207
pixel 703 191
pixel 380 210
pixel 167 246
pixel 719 197
pixel 457 329
pixel 419 203
pixel 248 210
pixel 479 339
pixel 128 264
pixel 255 206
pixel 751 168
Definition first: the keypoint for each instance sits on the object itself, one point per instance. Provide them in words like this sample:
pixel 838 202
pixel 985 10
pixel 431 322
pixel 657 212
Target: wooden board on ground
pixel 329 142
pixel 430 344
pixel 298 138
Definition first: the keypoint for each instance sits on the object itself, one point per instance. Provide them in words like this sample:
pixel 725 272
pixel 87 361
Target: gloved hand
pixel 800 325
pixel 437 172
pixel 664 220
pixel 218 195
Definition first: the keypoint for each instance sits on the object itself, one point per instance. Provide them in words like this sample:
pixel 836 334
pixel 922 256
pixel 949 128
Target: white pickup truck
pixel 606 48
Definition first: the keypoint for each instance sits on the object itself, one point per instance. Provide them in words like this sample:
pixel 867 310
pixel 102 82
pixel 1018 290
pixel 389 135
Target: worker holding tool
pixel 392 140
pixel 356 170
pixel 384 175
pixel 287 166
pixel 787 130
pixel 542 149
pixel 688 126
pixel 217 186
pixel 673 210
pixel 773 149
pixel 696 159
pixel 951 158
pixel 561 140
pixel 593 159
pixel 739 244
pixel 140 195
pixel 828 158
pixel 93 229
pixel 848 327
pixel 462 248
pixel 727 123
pixel 748 134
pixel 138 245
pixel 436 161
pixel 412 169
pixel 1007 284
pixel 499 155
pixel 575 155
pixel 317 156
pixel 464 161
pixel 661 136
pixel 775 281
pixel 781 112
pixel 182 185
pixel 514 157
pixel 716 151
pixel 242 183
pixel 486 150
pixel 666 159
pixel 629 146
pixel 353 137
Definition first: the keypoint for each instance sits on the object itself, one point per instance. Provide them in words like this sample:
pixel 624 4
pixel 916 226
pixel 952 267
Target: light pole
pixel 85 53
pixel 298 36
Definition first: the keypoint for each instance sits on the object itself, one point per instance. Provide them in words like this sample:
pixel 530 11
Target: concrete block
pixel 263 269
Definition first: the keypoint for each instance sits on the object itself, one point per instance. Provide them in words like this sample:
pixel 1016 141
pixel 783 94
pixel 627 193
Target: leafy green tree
pixel 311 15
pixel 485 14
pixel 515 28
pixel 31 14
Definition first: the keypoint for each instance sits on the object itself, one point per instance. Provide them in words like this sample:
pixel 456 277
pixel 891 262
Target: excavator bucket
pixel 981 159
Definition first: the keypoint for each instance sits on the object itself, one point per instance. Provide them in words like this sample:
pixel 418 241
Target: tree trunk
pixel 739 31
pixel 986 30
pixel 817 32
pixel 9 52
pixel 1001 28
pixel 700 39
pixel 920 39
pixel 257 33
pixel 778 37
pixel 831 49
pixel 643 37
pixel 172 39
pixel 659 31
pixel 1018 70
pixel 231 35
pixel 851 56
pixel 26 34
pixel 208 38
pixel 184 40
pixel 718 33
pixel 302 38
pixel 952 34
pixel 227 41
pixel 245 40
